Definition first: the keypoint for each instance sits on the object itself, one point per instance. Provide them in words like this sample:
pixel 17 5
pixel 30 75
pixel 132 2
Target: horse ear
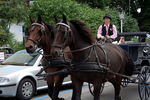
pixel 56 20
pixel 39 18
pixel 31 20
pixel 64 18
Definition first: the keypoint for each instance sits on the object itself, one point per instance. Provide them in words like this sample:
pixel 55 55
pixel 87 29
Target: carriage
pixel 140 53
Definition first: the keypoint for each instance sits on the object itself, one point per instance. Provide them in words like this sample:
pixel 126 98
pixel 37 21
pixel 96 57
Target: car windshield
pixel 21 58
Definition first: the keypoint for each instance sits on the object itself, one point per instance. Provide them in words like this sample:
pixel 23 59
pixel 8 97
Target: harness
pixel 85 65
pixel 67 66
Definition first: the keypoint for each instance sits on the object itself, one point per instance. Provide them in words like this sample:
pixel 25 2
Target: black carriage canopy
pixel 142 35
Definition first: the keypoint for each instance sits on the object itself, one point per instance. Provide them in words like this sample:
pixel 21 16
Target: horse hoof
pixel 118 98
pixel 60 99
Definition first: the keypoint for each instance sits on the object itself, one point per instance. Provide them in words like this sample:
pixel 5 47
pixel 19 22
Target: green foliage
pixel 92 16
pixel 130 24
pixel 7 39
pixel 96 3
pixel 18 11
pixel 16 46
pixel 4 37
pixel 143 17
pixel 13 11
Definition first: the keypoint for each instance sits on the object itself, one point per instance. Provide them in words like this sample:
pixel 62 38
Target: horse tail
pixel 129 68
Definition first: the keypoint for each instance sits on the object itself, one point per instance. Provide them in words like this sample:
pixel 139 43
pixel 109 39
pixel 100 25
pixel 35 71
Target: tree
pixel 12 11
pixel 4 37
pixel 92 16
pixel 96 3
pixel 17 10
pixel 131 6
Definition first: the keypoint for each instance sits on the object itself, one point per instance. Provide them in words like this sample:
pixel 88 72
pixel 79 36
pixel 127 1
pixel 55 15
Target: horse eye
pixel 40 32
pixel 65 38
pixel 63 32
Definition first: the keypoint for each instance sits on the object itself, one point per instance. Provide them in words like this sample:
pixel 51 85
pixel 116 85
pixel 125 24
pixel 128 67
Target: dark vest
pixel 110 30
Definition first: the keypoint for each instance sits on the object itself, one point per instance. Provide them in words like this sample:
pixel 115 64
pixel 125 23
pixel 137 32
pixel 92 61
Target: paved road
pixel 128 93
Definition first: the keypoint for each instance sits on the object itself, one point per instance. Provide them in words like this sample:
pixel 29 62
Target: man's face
pixel 107 20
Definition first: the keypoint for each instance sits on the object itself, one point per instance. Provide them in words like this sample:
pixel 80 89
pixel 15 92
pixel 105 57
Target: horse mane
pixel 51 29
pixel 83 30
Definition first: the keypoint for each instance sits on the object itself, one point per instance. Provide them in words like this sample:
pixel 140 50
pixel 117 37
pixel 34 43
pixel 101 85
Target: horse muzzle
pixel 31 49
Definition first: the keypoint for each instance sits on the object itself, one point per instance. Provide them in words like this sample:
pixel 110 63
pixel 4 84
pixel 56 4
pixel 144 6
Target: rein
pixel 92 47
pixel 104 67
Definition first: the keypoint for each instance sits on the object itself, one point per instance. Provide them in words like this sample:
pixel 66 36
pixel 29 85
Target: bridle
pixel 36 42
pixel 67 34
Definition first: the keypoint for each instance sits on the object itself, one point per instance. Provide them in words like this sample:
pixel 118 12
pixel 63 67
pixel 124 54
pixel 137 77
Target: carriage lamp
pixel 146 49
pixel 4 80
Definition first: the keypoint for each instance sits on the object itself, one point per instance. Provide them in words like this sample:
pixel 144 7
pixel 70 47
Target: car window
pixel 7 50
pixel 21 58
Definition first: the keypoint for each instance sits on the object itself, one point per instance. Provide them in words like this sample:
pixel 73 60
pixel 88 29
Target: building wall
pixel 17 31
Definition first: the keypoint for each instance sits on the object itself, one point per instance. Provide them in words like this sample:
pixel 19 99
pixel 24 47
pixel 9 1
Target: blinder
pixel 42 31
pixel 67 36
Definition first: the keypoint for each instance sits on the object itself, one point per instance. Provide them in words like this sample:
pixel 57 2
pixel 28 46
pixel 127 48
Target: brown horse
pixel 106 60
pixel 41 35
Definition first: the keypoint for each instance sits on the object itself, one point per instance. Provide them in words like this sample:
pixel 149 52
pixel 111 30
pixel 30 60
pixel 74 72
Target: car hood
pixel 9 69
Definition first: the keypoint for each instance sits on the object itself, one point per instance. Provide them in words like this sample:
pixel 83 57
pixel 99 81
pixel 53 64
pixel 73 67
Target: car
pixel 5 52
pixel 18 76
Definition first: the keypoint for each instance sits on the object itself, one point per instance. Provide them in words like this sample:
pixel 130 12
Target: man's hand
pixel 102 37
pixel 108 37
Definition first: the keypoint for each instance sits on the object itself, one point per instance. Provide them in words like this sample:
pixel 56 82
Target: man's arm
pixel 114 32
pixel 99 34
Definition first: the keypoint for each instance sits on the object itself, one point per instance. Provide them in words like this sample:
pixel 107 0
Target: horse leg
pixel 117 83
pixel 50 83
pixel 58 84
pixel 97 88
pixel 50 89
pixel 77 89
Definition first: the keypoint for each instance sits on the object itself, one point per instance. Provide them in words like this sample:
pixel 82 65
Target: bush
pixel 93 17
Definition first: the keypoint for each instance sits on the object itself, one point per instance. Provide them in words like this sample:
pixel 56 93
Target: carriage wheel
pixel 144 83
pixel 125 82
pixel 91 88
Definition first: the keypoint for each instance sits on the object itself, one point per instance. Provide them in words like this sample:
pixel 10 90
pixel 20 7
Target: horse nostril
pixel 30 47
pixel 56 53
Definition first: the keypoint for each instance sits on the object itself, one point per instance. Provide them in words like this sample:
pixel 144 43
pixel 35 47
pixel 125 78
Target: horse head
pixel 63 36
pixel 37 35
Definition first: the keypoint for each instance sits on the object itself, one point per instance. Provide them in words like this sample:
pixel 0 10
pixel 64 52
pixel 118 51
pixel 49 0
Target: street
pixel 128 93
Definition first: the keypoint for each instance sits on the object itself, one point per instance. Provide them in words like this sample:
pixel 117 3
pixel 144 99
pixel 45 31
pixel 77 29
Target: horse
pixel 92 62
pixel 41 35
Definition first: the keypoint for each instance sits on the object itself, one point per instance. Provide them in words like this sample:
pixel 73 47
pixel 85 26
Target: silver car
pixel 18 75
